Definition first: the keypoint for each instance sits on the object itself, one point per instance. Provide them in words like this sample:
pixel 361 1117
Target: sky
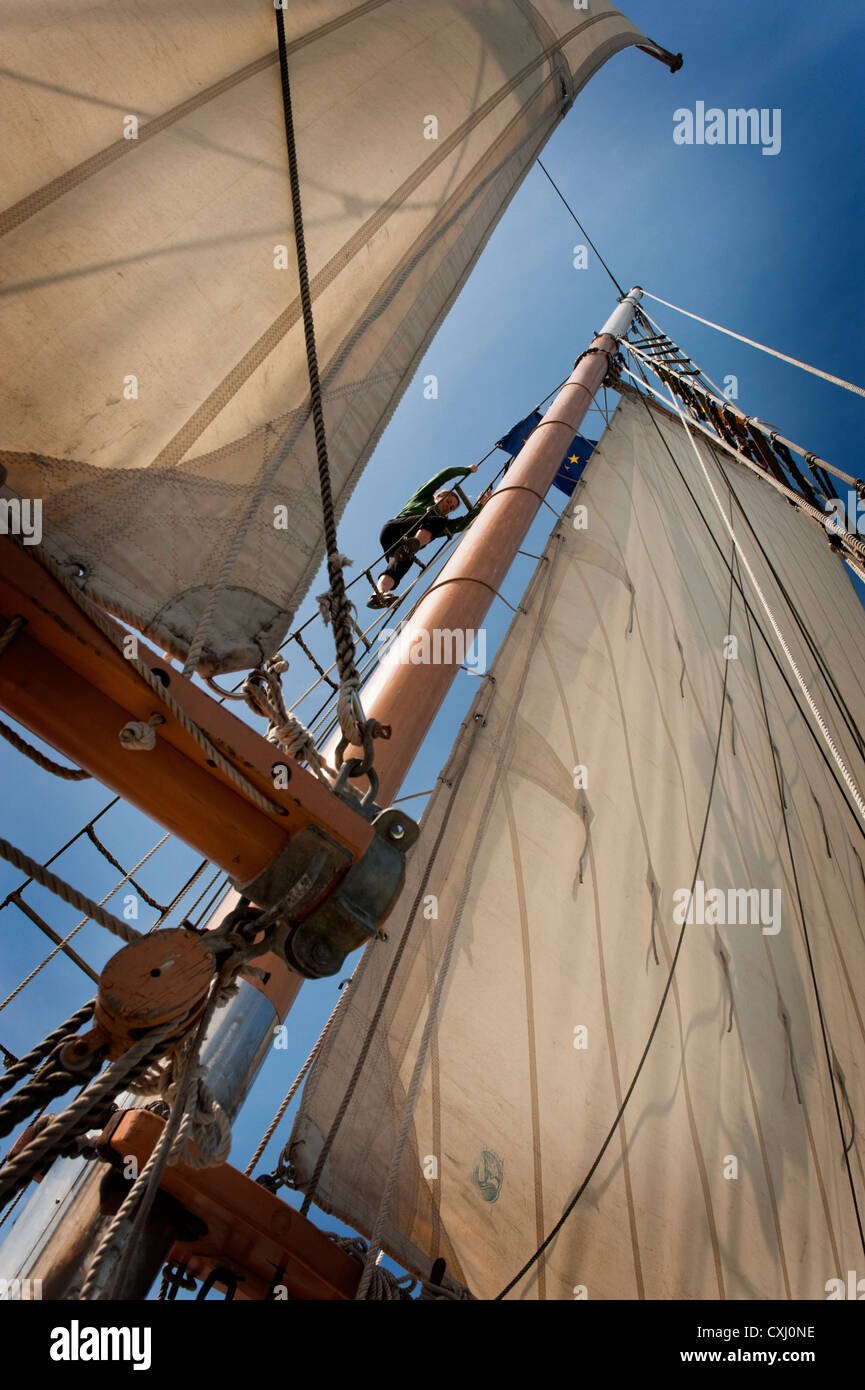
pixel 770 246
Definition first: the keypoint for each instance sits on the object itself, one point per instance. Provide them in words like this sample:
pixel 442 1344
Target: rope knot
pixel 139 737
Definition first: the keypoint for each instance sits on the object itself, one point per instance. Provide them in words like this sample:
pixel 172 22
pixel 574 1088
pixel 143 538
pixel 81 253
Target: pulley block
pixel 163 978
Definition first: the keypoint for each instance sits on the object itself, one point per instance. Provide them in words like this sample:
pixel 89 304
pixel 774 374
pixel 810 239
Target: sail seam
pixel 175 449
pixel 35 202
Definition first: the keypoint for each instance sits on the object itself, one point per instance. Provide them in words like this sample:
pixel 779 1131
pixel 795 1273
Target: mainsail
pixel 470 1083
pixel 155 379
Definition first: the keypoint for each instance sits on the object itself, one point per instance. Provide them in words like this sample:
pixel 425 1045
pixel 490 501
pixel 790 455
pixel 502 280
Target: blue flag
pixel 516 437
pixel 573 464
pixel 575 459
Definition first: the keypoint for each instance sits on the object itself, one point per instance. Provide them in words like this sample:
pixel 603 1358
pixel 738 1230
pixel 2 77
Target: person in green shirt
pixel 426 516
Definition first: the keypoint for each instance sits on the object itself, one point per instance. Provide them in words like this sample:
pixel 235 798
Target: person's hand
pixel 485 496
pixel 474 468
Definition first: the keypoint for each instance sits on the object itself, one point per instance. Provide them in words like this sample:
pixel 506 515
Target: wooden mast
pixel 408 694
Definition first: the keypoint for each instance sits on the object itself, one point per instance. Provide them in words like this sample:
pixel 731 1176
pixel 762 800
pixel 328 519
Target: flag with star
pixel 574 461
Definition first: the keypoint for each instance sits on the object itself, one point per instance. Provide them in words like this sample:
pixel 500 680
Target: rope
pixel 10 632
pixel 770 648
pixel 205 1124
pixel 69 894
pixel 69 774
pixel 19 1168
pixel 111 1260
pixel 770 430
pixel 432 1016
pixel 582 228
pixel 61 945
pixel 262 690
pixel 848 541
pixel 292 1090
pixel 350 712
pixel 29 1062
pixel 793 361
pixel 139 736
pixel 743 559
pixel 384 1286
pixel 62 850
pixel 127 877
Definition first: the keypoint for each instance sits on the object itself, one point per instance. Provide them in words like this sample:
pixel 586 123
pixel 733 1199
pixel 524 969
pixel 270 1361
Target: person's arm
pixel 423 498
pixel 462 522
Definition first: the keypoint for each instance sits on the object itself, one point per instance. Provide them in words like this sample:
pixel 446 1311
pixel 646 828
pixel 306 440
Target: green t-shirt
pixel 423 499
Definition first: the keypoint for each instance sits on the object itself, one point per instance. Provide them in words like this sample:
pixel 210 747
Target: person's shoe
pixel 379 600
pixel 407 549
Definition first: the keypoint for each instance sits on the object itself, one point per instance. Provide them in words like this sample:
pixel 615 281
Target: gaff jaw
pixel 326 904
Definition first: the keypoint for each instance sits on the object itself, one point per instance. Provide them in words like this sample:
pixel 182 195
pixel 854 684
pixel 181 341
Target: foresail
pixel 155 379
pixel 546 898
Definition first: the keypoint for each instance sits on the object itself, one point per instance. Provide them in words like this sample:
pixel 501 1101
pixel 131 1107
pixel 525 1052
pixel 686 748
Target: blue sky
pixel 772 247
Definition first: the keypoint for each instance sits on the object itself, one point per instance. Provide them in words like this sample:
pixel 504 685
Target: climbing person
pixel 425 517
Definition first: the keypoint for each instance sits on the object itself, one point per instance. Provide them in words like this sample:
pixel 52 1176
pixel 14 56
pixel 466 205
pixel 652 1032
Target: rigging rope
pixel 793 361
pixel 350 711
pixel 262 690
pixel 581 227
pixel 68 774
pixel 800 680
pixel 845 538
pixel 65 941
pixel 71 895
pixel 770 648
pixel 115 1250
pixel 292 1090
pixel 31 1060
pixel 769 429
pixel 52 1136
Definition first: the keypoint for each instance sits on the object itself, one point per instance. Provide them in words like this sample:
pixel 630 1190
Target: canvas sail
pixel 155 381
pixel 726 1176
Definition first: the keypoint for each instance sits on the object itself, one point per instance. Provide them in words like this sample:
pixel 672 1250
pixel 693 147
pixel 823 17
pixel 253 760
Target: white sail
pixel 155 381
pixel 563 834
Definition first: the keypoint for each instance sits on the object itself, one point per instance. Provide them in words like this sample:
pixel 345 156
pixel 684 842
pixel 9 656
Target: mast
pixel 242 1030
pixel 408 693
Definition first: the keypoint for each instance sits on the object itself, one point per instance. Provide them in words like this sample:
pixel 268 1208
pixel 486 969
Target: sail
pixel 155 390
pixel 522 976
